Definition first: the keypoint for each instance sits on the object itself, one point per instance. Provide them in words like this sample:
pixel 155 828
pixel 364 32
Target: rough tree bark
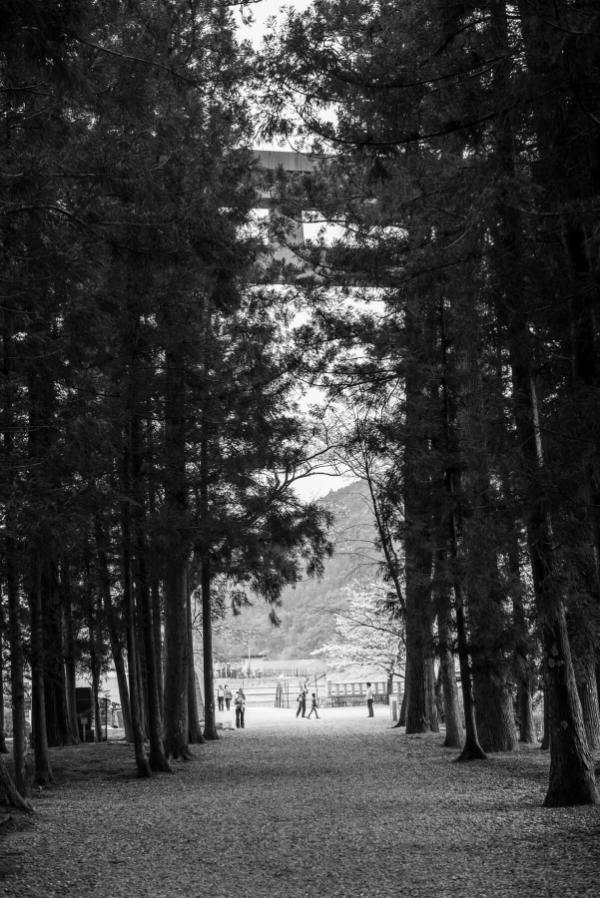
pixel 195 703
pixel 452 718
pixel 472 750
pixel 43 769
pixel 157 757
pixel 55 689
pixel 522 664
pixel 421 710
pixel 115 632
pixel 70 653
pixel 571 768
pixel 11 559
pixel 176 683
pixel 135 701
pixel 9 792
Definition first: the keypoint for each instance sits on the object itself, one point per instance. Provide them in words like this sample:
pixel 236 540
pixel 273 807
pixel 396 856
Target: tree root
pixel 10 791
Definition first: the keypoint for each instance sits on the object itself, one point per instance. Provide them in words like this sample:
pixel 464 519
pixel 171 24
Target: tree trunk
pixel 157 757
pixel 472 750
pixel 92 606
pixel 196 707
pixel 392 562
pixel 115 633
pixel 402 714
pixel 585 676
pixel 452 717
pixel 142 764
pixel 55 694
pixel 210 724
pixel 155 604
pixel 177 661
pixel 11 563
pixel 43 770
pixel 495 712
pixel 449 522
pixel 421 711
pixel 96 699
pixel 3 747
pixel 524 708
pixel 469 428
pixel 135 702
pixel 9 792
pixel 545 742
pixel 494 709
pixel 571 769
pixel 157 617
pixel 454 730
pixel 582 626
pixel 176 562
pixel 522 666
pixel 16 665
pixel 70 657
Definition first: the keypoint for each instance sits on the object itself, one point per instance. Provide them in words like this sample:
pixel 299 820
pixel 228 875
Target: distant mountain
pixel 307 611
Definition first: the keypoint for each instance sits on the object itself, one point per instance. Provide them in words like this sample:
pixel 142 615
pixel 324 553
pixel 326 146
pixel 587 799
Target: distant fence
pixel 345 694
pixel 282 693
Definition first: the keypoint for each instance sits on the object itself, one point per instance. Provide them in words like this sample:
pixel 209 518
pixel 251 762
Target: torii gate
pixel 291 163
pixel 288 160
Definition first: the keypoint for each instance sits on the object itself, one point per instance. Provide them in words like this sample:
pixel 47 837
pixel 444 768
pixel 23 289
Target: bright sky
pixel 262 10
pixel 318 484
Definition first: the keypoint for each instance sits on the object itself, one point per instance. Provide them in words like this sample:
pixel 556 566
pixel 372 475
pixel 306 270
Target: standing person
pixel 313 707
pixel 240 708
pixel 301 703
pixel 228 695
pixel 370 697
pixel 220 697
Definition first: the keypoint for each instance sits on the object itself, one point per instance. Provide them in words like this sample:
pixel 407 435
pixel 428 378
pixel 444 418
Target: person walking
pixel 240 709
pixel 228 695
pixel 370 697
pixel 313 707
pixel 220 697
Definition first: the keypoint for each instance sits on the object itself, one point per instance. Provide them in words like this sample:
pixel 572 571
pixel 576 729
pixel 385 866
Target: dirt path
pixel 342 806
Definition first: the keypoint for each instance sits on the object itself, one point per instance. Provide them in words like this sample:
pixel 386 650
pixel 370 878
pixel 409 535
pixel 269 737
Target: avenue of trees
pixel 148 427
pixel 460 151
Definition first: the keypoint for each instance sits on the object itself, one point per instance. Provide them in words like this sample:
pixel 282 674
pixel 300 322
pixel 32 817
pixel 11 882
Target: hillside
pixel 307 611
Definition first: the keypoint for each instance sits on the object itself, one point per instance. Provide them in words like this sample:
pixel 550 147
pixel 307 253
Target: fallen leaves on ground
pixel 290 808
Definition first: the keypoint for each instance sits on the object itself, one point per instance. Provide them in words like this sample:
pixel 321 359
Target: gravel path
pixel 341 806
